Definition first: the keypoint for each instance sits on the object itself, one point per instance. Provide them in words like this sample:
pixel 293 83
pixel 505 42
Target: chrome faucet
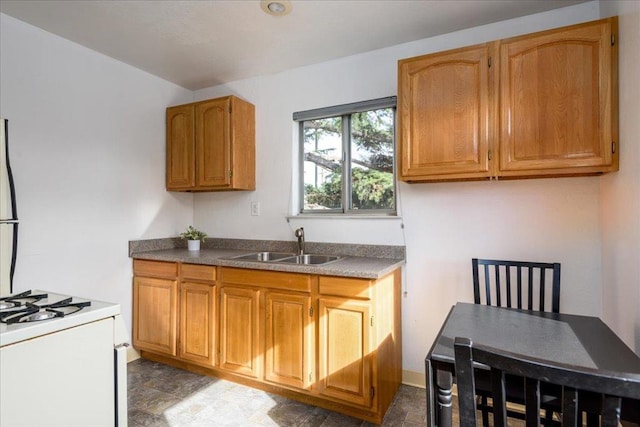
pixel 300 235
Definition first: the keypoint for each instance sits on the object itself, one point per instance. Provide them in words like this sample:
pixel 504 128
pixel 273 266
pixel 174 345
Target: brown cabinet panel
pixel 346 287
pixel 289 339
pixel 198 272
pixel 155 314
pixel 344 350
pixel 212 125
pixel 556 100
pixel 160 269
pixel 197 323
pixel 268 279
pixel 444 107
pixel 239 333
pixel 180 172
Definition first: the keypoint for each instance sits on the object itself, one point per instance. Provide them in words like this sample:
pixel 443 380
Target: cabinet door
pixel 289 339
pixel 557 101
pixel 180 168
pixel 213 143
pixel 345 359
pixel 239 334
pixel 444 104
pixel 197 322
pixel 155 314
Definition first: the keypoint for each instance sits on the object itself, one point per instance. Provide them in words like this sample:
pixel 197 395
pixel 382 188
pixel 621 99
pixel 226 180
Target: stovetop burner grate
pixel 21 299
pixel 24 308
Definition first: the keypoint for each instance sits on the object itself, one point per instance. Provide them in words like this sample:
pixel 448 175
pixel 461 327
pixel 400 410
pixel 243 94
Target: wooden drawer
pixel 159 269
pixel 198 272
pixel 267 279
pixel 346 287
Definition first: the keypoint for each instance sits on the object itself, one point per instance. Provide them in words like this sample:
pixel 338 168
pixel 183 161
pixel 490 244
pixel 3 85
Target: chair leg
pixel 592 420
pixel 485 412
pixel 548 417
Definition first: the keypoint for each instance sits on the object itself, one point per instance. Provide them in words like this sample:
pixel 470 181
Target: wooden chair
pixel 609 387
pixel 501 276
pixel 515 284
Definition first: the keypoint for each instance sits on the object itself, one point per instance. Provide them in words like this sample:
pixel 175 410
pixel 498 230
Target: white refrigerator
pixel 8 215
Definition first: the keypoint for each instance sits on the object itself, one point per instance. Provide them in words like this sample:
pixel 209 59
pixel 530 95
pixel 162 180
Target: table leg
pixel 428 369
pixel 444 381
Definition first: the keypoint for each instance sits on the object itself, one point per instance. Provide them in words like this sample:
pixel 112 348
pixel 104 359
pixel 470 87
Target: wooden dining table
pixel 565 338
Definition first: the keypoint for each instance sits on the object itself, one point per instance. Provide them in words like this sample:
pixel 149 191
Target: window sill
pixel 344 216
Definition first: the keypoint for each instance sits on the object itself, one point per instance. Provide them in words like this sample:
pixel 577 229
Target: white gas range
pixel 62 361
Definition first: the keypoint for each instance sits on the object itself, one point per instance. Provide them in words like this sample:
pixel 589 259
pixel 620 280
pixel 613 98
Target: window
pixel 347 158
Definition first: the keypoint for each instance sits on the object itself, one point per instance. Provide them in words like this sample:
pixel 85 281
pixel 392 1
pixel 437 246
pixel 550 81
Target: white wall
pixel 620 194
pixel 87 147
pixel 87 139
pixel 446 224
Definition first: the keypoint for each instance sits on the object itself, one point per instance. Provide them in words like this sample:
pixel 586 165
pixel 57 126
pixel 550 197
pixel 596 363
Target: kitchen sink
pixel 287 258
pixel 264 256
pixel 309 259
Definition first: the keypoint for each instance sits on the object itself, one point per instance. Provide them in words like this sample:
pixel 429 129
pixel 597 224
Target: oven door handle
pixel 120 362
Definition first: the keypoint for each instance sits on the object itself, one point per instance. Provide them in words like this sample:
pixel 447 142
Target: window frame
pixel 345 111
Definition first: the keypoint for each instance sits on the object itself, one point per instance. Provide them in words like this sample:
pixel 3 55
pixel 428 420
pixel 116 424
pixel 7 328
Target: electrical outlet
pixel 255 208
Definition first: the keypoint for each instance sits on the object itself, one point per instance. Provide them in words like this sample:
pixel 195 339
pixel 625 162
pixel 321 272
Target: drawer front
pixel 198 272
pixel 267 279
pixel 160 269
pixel 346 287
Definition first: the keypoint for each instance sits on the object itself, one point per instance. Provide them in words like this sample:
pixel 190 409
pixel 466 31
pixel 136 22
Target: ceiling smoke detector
pixel 276 7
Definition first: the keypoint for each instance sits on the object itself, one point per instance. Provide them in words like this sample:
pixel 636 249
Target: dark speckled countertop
pixel 361 261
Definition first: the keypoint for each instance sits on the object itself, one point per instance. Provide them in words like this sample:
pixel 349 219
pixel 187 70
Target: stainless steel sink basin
pixel 264 256
pixel 309 259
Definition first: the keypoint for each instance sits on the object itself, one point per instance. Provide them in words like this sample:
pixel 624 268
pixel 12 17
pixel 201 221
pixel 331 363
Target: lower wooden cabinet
pixel 334 342
pixel 344 350
pixel 289 346
pixel 154 314
pixel 168 293
pixel 239 334
pixel 155 299
pixel 197 322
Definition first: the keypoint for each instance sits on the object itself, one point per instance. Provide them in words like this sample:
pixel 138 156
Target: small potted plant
pixel 194 237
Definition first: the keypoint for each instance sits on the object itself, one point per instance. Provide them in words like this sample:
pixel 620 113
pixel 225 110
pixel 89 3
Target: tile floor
pixel 161 395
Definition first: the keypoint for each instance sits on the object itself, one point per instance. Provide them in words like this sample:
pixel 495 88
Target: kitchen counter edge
pixel 347 266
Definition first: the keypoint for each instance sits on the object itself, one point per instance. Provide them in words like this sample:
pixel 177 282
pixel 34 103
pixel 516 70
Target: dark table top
pixel 565 338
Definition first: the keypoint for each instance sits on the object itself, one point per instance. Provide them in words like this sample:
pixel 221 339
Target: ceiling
pixel 198 44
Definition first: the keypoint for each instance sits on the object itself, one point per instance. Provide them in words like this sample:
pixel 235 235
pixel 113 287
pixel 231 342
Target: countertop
pixel 348 266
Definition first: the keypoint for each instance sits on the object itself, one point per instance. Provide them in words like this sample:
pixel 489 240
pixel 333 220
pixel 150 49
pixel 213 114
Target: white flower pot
pixel 193 245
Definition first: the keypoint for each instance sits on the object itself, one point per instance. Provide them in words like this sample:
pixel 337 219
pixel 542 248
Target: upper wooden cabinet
pixel 558 101
pixel 444 105
pixel 211 146
pixel 543 104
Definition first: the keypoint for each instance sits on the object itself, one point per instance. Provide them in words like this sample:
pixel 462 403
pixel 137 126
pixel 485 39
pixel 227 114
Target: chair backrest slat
pixel 499 274
pixel 530 289
pixel 612 386
pixel 543 274
pixel 519 287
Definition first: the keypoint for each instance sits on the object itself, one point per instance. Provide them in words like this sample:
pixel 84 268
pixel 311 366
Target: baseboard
pixel 415 379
